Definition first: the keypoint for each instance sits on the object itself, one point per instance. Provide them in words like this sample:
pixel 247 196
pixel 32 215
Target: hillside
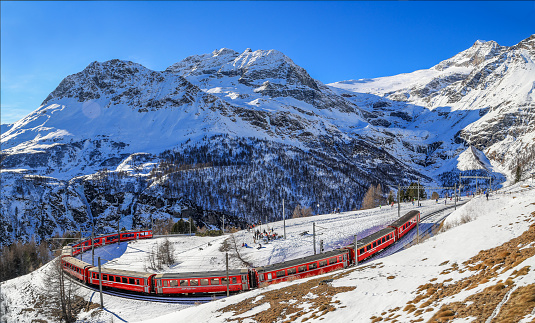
pixel 479 267
pixel 231 133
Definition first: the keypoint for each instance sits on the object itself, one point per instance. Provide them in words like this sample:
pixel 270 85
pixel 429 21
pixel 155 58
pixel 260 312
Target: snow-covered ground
pixel 383 286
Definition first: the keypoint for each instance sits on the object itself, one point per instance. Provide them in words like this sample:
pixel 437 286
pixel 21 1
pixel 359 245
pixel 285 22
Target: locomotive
pixel 168 284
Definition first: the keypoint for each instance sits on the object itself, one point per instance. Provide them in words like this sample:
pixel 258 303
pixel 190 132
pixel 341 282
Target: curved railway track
pixel 149 298
pixel 434 218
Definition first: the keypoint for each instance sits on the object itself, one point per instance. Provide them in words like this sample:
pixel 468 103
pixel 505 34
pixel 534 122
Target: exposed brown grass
pixel 486 265
pixel 520 304
pixel 282 310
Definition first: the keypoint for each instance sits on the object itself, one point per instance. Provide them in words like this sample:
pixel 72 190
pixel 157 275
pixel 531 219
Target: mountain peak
pixel 479 52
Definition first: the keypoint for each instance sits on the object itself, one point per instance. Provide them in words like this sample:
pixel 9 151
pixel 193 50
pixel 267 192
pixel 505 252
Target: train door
pixel 253 279
pixel 146 285
pixel 244 282
pixel 159 286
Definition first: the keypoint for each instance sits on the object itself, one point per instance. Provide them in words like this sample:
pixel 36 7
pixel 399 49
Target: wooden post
pixel 418 229
pixel 418 192
pixel 283 219
pixel 455 195
pixel 356 252
pixel 228 281
pixel 100 283
pixel 399 197
pixel 314 233
pixel 92 249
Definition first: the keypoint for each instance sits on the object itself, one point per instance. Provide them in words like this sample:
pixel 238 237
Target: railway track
pixel 191 300
pixel 432 219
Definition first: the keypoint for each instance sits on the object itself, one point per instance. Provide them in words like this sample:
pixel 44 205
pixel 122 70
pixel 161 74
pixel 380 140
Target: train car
pixel 374 243
pixel 303 267
pixel 405 223
pixel 202 282
pixel 110 238
pixel 76 268
pixel 122 279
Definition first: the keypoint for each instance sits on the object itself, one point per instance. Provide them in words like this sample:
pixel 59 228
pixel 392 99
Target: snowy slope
pixel 488 88
pixel 387 284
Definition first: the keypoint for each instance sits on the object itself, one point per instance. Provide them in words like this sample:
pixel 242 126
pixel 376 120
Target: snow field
pixel 384 284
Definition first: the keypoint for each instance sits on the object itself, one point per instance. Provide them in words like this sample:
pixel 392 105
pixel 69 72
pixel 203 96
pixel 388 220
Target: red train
pixel 110 238
pixel 238 279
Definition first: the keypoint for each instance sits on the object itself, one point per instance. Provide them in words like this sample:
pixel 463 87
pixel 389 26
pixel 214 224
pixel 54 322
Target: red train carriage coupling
pixel 75 267
pixel 303 267
pixel 374 243
pixel 202 282
pixel 405 223
pixel 122 279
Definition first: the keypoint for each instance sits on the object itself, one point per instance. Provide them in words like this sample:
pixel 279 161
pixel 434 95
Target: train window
pixel 214 281
pixel 368 247
pixel 104 277
pixel 224 281
pixel 118 279
pixel 173 283
pixel 183 283
pixel 97 276
pixel 281 273
pixel 268 276
pixel 333 261
pixel 313 265
pixel 302 268
pixel 375 244
pixel 137 282
pixel 165 283
pixel 234 280
pixel 361 251
pixel 292 271
pixel 323 263
pixel 125 281
pixel 110 278
pixel 194 282
pixel 131 281
pixel 204 282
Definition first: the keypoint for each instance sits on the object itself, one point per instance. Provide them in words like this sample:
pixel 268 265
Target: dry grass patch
pixel 280 308
pixel 520 304
pixel 487 264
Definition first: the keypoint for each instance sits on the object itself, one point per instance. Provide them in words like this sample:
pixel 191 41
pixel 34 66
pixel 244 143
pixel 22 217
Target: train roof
pixel 76 262
pixel 119 272
pixel 401 221
pixel 374 236
pixel 206 274
pixel 106 235
pixel 303 260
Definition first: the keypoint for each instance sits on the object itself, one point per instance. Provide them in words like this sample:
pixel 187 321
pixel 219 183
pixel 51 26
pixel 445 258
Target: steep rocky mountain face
pixel 218 134
pixel 233 134
pixel 485 93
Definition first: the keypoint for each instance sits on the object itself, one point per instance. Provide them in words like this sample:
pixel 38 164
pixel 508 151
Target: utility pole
pixel 81 246
pixel 399 198
pixel 314 233
pixel 455 196
pixel 100 283
pixel 476 183
pixel 223 223
pixel 356 252
pixel 418 229
pixel 228 282
pixel 283 219
pixel 418 192
pixel 189 226
pixel 92 248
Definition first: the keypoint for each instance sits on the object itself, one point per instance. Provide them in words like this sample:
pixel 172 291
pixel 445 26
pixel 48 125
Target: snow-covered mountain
pixel 486 93
pixel 236 133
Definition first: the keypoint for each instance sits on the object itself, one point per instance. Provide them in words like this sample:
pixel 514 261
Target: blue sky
pixel 43 42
